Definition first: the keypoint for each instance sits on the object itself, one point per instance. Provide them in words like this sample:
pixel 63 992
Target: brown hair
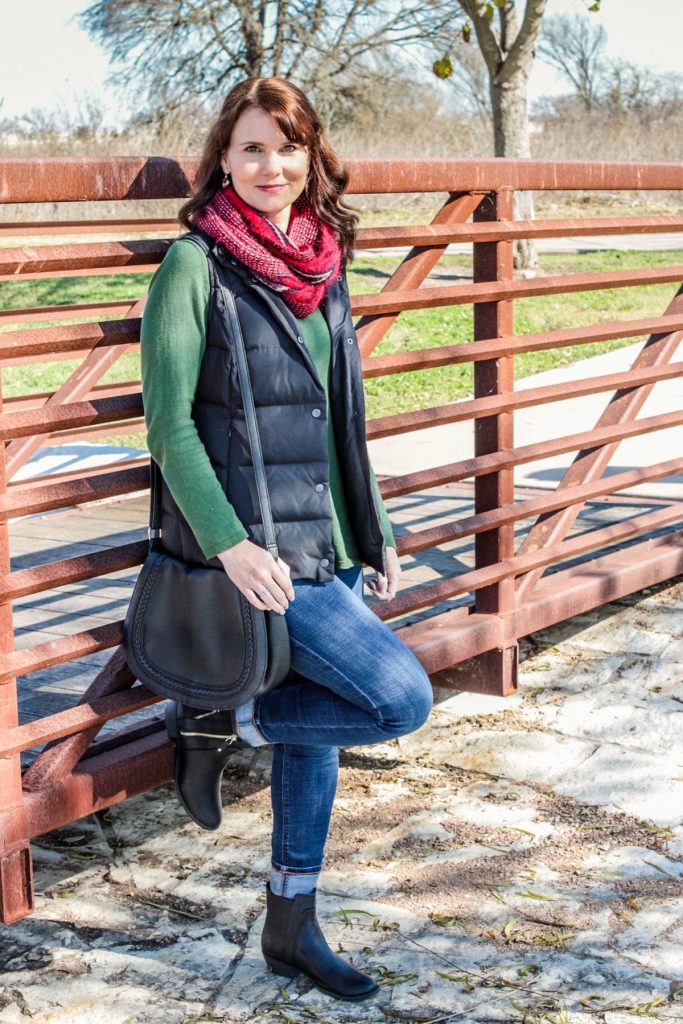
pixel 298 121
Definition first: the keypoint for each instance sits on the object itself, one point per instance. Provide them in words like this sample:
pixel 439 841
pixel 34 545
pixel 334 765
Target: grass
pixel 412 331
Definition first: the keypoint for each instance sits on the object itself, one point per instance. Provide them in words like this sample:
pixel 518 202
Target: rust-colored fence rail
pixel 509 596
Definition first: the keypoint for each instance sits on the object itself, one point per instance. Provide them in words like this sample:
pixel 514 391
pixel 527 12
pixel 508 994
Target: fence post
pixel 16 872
pixel 493 261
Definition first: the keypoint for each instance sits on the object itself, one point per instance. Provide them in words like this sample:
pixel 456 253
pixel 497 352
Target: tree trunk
pixel 511 136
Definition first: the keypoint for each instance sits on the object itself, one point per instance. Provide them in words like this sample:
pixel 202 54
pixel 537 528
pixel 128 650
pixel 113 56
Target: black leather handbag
pixel 189 633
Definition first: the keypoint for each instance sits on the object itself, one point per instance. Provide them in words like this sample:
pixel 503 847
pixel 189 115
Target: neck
pixel 281 219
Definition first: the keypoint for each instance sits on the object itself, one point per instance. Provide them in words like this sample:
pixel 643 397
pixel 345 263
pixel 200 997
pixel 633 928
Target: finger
pixel 264 600
pixel 253 599
pixel 274 596
pixel 283 581
pixel 279 592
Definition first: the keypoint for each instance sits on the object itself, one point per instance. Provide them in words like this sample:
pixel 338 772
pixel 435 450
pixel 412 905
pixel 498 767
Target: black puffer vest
pixel 291 413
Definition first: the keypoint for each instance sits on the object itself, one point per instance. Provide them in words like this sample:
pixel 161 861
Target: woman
pixel 267 220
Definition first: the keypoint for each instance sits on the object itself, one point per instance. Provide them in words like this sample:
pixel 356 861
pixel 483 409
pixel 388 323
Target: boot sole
pixel 172 730
pixel 287 971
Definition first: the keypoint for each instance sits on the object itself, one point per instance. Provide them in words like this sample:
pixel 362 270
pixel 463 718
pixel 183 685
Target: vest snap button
pixel 350 341
pixel 324 562
pixel 300 339
pixel 315 412
pixel 319 487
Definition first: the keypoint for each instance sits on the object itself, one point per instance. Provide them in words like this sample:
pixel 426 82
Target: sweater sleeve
pixel 383 514
pixel 172 344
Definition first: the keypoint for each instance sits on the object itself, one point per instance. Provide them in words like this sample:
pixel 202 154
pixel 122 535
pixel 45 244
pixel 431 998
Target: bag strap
pixel 252 430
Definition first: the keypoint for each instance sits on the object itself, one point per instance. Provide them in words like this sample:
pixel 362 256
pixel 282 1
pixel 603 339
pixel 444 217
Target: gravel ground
pixel 515 859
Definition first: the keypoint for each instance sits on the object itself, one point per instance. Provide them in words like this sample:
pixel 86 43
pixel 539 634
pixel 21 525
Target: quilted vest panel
pixel 291 414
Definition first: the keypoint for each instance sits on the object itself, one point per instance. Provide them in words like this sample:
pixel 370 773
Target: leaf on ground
pixel 389 977
pixel 531 895
pixel 454 977
pixel 602 873
pixel 345 911
pixel 660 869
pixel 658 829
pixel 443 920
pixel 527 873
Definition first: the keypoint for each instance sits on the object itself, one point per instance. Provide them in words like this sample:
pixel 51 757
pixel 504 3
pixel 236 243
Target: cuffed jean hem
pixel 289 882
pixel 246 726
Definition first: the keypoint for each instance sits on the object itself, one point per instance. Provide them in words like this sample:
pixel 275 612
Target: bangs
pixel 292 122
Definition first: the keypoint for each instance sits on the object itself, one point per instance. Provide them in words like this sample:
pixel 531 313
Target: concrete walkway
pixel 435 446
pixel 515 859
pixel 663 241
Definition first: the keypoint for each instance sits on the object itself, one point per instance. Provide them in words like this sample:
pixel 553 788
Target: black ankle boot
pixel 293 942
pixel 203 740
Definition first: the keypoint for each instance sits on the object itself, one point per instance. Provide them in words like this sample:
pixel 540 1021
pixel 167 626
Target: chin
pixel 268 204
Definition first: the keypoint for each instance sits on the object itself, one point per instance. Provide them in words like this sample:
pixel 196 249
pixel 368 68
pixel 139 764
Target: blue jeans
pixel 354 681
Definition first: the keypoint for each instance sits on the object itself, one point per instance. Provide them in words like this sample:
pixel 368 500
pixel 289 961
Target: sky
pixel 47 61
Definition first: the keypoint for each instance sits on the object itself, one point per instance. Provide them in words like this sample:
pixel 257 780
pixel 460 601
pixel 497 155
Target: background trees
pixel 177 50
pixel 435 78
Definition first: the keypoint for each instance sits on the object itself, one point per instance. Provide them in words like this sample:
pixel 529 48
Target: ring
pixel 263 590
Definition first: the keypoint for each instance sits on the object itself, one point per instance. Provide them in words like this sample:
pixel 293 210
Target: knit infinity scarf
pixel 300 265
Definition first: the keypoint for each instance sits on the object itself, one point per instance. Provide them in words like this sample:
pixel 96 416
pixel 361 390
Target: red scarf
pixel 299 265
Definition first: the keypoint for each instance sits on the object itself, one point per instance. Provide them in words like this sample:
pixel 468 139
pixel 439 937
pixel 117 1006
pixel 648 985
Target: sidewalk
pixel 664 241
pixel 513 853
pixel 435 446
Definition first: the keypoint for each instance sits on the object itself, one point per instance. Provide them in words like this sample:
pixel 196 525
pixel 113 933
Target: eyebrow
pixel 257 142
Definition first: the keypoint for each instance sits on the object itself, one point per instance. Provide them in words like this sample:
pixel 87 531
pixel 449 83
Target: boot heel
pixel 277 967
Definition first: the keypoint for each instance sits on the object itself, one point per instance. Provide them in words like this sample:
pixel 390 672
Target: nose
pixel 271 163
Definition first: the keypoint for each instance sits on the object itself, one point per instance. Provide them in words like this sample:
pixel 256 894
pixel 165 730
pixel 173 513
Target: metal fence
pixel 75 773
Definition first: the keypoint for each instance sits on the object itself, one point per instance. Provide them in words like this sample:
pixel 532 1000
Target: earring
pixel 226 179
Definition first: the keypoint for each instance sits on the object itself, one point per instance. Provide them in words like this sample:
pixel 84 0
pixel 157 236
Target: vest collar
pixel 278 307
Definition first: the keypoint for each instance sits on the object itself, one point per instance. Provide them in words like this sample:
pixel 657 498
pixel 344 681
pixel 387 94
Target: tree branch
pixel 522 48
pixel 489 43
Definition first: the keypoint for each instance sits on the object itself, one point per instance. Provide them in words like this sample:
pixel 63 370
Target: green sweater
pixel 172 344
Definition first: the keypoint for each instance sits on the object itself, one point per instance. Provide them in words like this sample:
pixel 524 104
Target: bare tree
pixel 575 46
pixel 507 45
pixel 507 40
pixel 179 50
pixel 629 89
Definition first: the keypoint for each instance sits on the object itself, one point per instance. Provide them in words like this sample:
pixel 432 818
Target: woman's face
pixel 268 171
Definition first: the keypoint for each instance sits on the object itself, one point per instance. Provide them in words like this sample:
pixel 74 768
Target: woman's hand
pixel 384 587
pixel 264 581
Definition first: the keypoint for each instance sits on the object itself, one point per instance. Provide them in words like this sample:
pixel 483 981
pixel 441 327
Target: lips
pixel 270 188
